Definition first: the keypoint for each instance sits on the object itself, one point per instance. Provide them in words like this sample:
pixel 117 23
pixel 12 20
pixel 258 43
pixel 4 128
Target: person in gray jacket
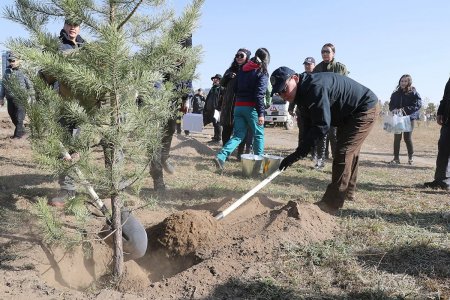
pixel 16 109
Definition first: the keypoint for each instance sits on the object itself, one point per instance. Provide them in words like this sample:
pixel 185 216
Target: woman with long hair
pixel 251 86
pixel 228 81
pixel 405 98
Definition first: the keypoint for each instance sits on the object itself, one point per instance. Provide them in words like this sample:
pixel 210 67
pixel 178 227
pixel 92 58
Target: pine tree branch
pixel 130 14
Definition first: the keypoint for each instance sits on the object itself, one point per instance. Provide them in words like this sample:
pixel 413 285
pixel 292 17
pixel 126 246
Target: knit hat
pixel 247 52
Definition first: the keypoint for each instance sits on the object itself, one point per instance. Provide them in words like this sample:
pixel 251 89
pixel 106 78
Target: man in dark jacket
pixel 442 173
pixel 70 41
pixel 330 99
pixel 16 109
pixel 211 106
pixel 198 102
pixel 182 93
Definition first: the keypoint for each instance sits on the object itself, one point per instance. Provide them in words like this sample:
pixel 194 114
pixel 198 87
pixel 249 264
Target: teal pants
pixel 244 117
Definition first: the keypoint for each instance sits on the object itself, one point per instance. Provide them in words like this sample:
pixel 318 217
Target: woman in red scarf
pixel 251 88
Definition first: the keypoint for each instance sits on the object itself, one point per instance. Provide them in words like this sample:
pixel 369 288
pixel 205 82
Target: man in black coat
pixel 442 173
pixel 330 99
pixel 211 106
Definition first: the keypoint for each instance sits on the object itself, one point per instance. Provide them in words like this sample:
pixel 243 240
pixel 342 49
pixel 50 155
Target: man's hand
pixel 261 120
pixel 440 119
pixel 288 161
pixel 2 102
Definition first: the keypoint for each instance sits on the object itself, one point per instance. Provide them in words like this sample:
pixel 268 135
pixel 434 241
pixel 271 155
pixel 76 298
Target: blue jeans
pixel 244 117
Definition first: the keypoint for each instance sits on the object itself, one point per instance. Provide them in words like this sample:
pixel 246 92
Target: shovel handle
pixel 89 189
pixel 250 193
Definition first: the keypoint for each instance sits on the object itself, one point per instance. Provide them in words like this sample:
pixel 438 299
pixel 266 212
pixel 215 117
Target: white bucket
pixel 271 164
pixel 251 165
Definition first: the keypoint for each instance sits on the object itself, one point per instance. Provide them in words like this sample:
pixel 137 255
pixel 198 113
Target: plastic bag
pixel 397 122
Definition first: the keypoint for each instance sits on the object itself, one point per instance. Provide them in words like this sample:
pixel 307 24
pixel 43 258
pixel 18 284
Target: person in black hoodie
pixel 405 98
pixel 442 173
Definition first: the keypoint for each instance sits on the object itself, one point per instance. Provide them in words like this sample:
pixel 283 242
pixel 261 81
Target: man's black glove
pixel 288 161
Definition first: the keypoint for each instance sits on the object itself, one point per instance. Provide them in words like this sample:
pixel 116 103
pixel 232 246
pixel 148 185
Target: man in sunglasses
pixel 330 99
pixel 329 64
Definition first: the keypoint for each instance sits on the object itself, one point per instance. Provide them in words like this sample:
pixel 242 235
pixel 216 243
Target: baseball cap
pixel 12 56
pixel 278 79
pixel 218 76
pixel 309 60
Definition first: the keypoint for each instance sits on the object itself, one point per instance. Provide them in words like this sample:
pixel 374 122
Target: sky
pixel 378 41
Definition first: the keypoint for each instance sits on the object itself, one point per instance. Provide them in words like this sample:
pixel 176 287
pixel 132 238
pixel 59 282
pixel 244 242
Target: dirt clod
pixel 182 233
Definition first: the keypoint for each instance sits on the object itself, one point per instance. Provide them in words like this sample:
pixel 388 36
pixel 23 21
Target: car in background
pixel 277 114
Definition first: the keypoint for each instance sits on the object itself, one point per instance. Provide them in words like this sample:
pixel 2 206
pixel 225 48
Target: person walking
pixel 406 99
pixel 16 109
pixel 442 173
pixel 251 87
pixel 182 93
pixel 212 109
pixel 329 64
pixel 228 81
pixel 330 99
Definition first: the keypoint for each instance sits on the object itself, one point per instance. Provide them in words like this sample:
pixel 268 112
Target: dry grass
pixel 394 242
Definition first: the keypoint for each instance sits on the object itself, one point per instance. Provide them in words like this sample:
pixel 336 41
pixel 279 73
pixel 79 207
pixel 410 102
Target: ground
pixel 392 242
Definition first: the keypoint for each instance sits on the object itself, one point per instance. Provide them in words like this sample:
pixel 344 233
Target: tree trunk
pixel 118 246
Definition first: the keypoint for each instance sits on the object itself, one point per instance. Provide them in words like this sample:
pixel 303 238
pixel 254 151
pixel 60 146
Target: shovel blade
pixel 134 236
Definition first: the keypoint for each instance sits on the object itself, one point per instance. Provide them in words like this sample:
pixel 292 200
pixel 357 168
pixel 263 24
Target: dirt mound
pixel 134 278
pixel 182 233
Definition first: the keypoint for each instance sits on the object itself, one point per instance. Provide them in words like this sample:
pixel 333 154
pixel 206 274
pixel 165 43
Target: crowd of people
pixel 334 113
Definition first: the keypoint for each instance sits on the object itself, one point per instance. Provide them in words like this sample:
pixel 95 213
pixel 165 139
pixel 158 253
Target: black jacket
pixel 444 106
pixel 226 104
pixel 198 103
pixel 409 102
pixel 329 99
pixel 212 101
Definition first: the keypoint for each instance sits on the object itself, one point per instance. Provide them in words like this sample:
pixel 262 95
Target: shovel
pixel 133 233
pixel 250 193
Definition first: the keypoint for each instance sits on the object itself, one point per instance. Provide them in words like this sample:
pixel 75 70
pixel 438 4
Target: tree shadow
pixel 383 164
pixel 432 221
pixel 24 185
pixel 235 288
pixel 192 142
pixel 17 163
pixel 414 260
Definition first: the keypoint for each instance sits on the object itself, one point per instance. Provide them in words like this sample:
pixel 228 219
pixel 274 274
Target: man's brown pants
pixel 350 136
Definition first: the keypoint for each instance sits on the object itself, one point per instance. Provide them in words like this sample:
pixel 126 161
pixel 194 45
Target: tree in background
pixel 134 43
pixel 431 109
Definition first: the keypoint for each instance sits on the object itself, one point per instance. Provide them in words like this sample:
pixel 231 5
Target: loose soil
pixel 189 254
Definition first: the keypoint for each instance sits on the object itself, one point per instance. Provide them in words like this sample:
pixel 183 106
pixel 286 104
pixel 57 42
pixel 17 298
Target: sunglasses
pixel 11 60
pixel 325 51
pixel 239 55
pixel 285 87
